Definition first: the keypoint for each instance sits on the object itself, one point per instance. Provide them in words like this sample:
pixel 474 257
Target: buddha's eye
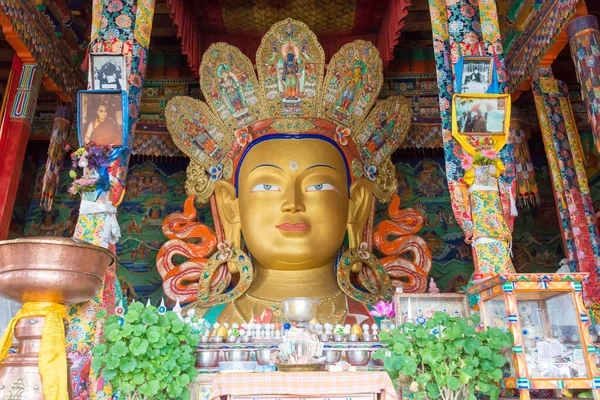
pixel 265 188
pixel 321 187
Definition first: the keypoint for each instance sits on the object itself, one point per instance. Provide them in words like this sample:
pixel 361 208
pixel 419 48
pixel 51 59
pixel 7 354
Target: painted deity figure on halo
pixel 292 191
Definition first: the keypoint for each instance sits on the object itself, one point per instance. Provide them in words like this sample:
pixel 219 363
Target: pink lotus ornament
pixel 383 309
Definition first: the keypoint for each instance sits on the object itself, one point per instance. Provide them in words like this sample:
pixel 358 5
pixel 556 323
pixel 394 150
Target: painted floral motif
pixel 216 173
pixel 242 137
pixel 370 171
pixel 363 251
pixel 341 134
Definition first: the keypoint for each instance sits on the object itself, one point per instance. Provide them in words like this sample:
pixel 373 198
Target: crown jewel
pixel 289 96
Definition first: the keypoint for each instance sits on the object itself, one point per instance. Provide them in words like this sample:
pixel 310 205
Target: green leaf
pixel 150 316
pixel 499 360
pixel 119 349
pixel 132 316
pixel 495 375
pixel 177 326
pixel 472 372
pixel 127 364
pixel 112 362
pixel 471 345
pixel 109 374
pixel 113 336
pixel 485 352
pixel 127 387
pixel 101 314
pixel 454 383
pixel 96 363
pixel 399 348
pixel 423 379
pixel 471 396
pixel 154 387
pixel 433 391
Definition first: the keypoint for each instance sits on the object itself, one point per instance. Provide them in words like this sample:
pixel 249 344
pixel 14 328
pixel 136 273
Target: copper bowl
pixel 52 269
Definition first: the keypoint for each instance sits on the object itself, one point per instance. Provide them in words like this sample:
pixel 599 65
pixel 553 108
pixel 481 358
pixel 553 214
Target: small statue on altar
pixel 285 192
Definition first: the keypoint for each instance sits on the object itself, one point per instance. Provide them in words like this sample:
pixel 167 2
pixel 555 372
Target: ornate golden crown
pixel 289 98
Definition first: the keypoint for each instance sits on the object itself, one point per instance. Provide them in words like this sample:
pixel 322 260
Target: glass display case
pixel 549 322
pixel 419 307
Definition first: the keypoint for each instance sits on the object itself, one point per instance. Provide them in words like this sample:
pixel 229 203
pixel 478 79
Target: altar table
pixel 371 385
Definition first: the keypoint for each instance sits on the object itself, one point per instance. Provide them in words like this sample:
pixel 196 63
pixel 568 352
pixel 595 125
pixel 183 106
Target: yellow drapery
pixel 52 357
pixel 498 140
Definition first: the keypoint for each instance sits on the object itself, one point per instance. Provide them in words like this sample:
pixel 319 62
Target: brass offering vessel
pixel 44 269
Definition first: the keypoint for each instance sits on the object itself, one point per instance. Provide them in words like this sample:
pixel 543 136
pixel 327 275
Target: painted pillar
pixel 571 189
pixel 463 28
pixel 22 93
pixel 584 40
pixel 120 27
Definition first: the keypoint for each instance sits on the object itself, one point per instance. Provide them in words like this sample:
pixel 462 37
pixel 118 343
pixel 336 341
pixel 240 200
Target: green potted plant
pixel 448 357
pixel 147 355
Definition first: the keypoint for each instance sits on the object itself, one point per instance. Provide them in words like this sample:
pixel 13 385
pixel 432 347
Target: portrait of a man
pixel 101 118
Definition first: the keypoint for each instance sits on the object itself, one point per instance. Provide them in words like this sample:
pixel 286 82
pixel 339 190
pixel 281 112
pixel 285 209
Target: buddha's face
pixel 293 203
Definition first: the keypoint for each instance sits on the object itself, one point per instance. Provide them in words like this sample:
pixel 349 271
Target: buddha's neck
pixel 276 285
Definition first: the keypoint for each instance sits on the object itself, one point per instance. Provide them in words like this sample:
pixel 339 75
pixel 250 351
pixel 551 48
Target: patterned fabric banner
pixel 584 40
pixel 527 190
pixel 565 158
pixel 456 31
pixel 56 154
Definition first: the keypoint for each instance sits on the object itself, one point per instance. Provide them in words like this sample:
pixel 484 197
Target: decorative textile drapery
pixel 56 154
pixel 194 41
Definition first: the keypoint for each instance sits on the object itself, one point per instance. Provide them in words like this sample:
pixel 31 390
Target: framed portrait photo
pixel 102 117
pixel 483 115
pixel 476 75
pixel 108 71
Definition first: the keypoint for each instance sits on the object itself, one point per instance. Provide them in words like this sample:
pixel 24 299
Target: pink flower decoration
pixel 467 162
pixel 242 136
pixel 490 154
pixel 341 134
pixel 383 309
pixel 362 251
pixel 224 250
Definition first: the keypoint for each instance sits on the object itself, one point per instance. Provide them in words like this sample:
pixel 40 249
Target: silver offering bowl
pixel 207 358
pixel 44 269
pixel 216 339
pixel 232 339
pixel 263 356
pixel 324 337
pixel 300 310
pixel 332 356
pixel 353 337
pixel 338 337
pixel 367 337
pixel 236 355
pixel 357 357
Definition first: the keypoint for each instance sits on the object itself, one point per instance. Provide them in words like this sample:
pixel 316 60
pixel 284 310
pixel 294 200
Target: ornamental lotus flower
pixel 490 154
pixel 383 309
pixel 341 134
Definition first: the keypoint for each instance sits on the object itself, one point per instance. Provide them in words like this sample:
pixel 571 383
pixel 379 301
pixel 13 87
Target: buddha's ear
pixel 229 211
pixel 361 200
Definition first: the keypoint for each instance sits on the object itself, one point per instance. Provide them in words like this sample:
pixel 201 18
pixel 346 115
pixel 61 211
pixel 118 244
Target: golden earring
pixel 374 292
pixel 244 267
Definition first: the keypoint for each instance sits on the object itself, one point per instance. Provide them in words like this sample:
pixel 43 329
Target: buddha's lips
pixel 292 227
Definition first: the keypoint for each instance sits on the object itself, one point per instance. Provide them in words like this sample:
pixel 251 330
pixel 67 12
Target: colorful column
pixel 120 27
pixel 571 189
pixel 462 28
pixel 584 39
pixel 21 99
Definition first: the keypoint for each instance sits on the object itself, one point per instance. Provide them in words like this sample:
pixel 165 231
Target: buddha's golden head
pixel 289 160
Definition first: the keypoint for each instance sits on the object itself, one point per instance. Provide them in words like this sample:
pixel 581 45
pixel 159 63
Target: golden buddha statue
pixel 293 177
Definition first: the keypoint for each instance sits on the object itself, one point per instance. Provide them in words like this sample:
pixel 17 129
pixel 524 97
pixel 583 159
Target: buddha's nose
pixel 293 204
